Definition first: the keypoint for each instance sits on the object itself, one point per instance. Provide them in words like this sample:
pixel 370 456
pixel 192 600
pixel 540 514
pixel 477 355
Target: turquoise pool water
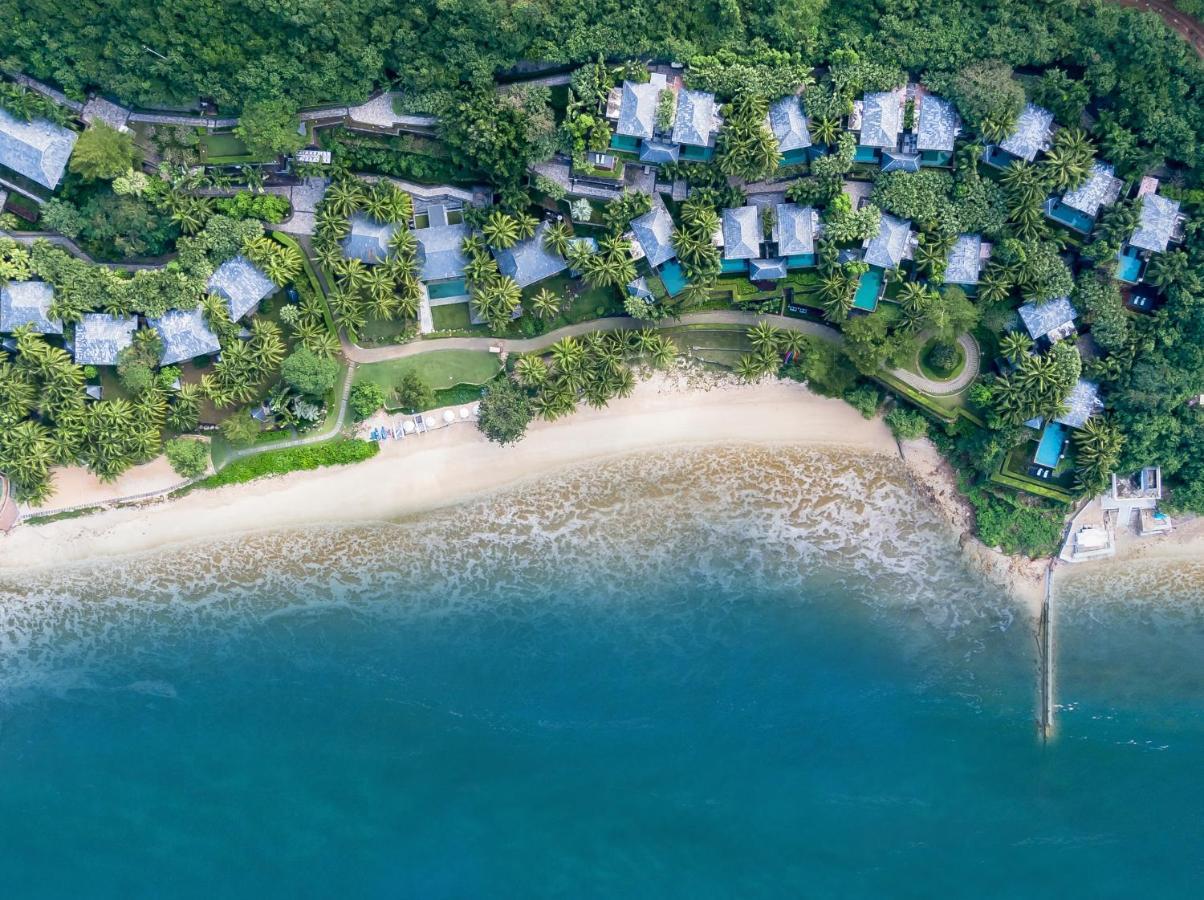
pixel 801 261
pixel 1128 267
pixel 1049 448
pixel 674 277
pixel 868 290
pixel 1077 220
pixel 456 288
pixel 731 266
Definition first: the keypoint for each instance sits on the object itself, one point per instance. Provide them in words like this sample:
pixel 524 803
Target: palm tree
pixel 994 285
pixel 1015 346
pixel 376 203
pixel 623 383
pixel 545 304
pixel 531 371
pixel 352 273
pixel 556 238
pixel 344 197
pixel 1168 269
pixel 1097 451
pixel 836 296
pixel 750 367
pixel 792 344
pixel 663 352
pixel 825 129
pixel 764 337
pixel 1069 162
pixel 403 244
pixel 913 297
pixel 500 230
pixel 526 224
pixel 191 216
pixel 568 354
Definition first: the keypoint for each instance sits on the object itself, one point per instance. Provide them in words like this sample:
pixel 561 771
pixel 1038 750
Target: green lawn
pixel 582 302
pixel 452 317
pixel 441 369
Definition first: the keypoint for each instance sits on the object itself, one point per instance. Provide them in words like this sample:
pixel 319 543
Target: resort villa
pixel 441 261
pixel 1160 223
pixel 185 335
pixel 1081 404
pixel 242 284
pixel 794 231
pixel 1078 209
pixel 652 242
pixel 368 240
pixel 36 150
pixel 964 262
pixel 100 338
pixel 879 117
pixel 638 111
pixel 529 261
pixel 893 243
pixel 742 234
pixel 1052 321
pixel 28 303
pixel 788 122
pixel 1032 134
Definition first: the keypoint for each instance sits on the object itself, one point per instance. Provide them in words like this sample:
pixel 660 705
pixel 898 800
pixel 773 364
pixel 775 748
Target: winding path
pixel 954 385
pixel 315 438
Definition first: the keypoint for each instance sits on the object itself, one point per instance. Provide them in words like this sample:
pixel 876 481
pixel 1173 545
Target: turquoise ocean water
pixel 726 673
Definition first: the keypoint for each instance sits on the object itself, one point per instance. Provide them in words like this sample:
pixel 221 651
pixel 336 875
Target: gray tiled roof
pixel 637 109
pixel 789 124
pixel 658 152
pixel 38 150
pixel 1157 223
pixel 889 246
pixel 1032 133
pixel 1081 404
pixel 529 261
pixel 766 269
pixel 881 120
pixel 100 337
pixel 639 288
pixel 794 229
pixel 742 232
pixel 28 303
pixel 440 252
pixel 185 335
pixel 654 233
pixel 900 162
pixel 694 123
pixel 939 124
pixel 242 284
pixel 1042 318
pixel 1101 188
pixel 964 261
pixel 368 239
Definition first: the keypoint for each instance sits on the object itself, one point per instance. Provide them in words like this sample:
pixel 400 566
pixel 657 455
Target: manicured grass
pixel 581 302
pixel 452 317
pixel 223 144
pixel 441 369
pixel 339 452
pixel 377 332
pixel 458 395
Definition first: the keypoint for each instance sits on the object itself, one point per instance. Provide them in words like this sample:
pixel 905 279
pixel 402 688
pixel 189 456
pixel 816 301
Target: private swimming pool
pixel 674 277
pixel 453 288
pixel 868 290
pixel 1128 268
pixel 1049 448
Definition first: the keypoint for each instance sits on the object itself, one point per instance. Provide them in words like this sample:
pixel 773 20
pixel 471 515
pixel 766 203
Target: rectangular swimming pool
pixel 453 288
pixel 1128 268
pixel 868 290
pixel 1049 448
pixel 674 277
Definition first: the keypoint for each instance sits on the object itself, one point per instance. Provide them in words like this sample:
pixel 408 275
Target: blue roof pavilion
pixel 742 232
pixel 28 303
pixel 891 245
pixel 242 284
pixel 185 335
pixel 530 261
pixel 39 150
pixel 440 252
pixel 368 239
pixel 100 338
pixel 653 231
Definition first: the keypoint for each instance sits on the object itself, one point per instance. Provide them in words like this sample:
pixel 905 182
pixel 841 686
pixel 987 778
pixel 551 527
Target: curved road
pixel 944 388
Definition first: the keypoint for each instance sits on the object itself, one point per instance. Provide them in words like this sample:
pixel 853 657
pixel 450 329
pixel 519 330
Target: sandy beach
pixel 453 464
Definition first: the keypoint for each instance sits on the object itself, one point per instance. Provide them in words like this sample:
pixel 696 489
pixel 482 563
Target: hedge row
pixel 339 452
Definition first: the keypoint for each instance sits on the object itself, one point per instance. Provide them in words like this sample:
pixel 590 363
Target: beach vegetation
pixel 504 413
pixel 906 424
pixel 336 452
pixel 365 398
pixel 188 456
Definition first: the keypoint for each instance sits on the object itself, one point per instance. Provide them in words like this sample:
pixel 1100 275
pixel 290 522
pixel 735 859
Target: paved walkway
pixel 944 388
pixel 65 243
pixel 317 436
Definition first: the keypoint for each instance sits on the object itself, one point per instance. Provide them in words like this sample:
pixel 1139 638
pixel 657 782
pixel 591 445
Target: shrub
pixel 339 452
pixel 365 399
pixel 245 205
pixel 906 424
pixel 188 457
pixel 943 358
pixel 414 394
pixel 308 373
pixel 505 413
pixel 865 399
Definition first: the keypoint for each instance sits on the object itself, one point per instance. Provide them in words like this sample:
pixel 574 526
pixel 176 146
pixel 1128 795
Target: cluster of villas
pixel 99 338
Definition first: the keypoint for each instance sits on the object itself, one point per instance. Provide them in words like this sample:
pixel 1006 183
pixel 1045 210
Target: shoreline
pixel 453 465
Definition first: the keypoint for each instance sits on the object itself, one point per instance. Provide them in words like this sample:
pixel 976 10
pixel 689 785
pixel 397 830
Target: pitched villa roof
pixel 368 239
pixel 695 122
pixel 1101 188
pixel 794 229
pixel 939 124
pixel 637 107
pixel 1157 223
pixel 659 152
pixel 789 124
pixel 38 150
pixel 1081 404
pixel 440 251
pixel 529 261
pixel 1031 134
pixel 28 303
pixel 891 244
pixel 242 284
pixel 653 231
pixel 964 261
pixel 100 338
pixel 767 269
pixel 742 232
pixel 1042 318
pixel 881 120
pixel 185 335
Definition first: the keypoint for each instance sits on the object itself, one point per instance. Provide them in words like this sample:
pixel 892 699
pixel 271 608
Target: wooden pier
pixel 1045 650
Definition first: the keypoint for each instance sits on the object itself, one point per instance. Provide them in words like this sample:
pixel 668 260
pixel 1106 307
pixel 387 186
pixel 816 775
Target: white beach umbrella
pixel 449 416
pixel 408 426
pixel 465 412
